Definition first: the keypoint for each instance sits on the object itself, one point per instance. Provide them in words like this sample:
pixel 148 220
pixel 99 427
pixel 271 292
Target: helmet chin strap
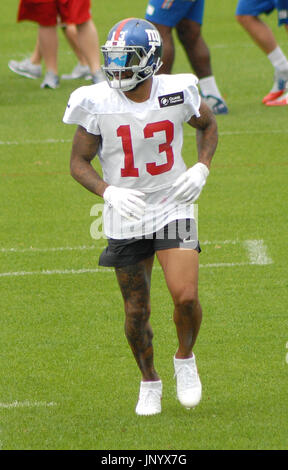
pixel 129 88
pixel 122 88
pixel 125 83
pixel 135 85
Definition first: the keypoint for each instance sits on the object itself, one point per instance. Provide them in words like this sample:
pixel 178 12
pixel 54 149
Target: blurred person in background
pixel 47 13
pixel 247 15
pixel 186 16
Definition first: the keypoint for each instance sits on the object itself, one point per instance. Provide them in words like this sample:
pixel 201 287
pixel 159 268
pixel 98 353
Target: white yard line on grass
pixel 256 250
pixel 65 141
pixel 35 142
pixel 221 242
pixel 57 271
pixel 27 404
pixel 94 247
pixel 32 249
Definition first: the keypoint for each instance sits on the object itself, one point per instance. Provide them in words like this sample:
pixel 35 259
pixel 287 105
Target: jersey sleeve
pixel 79 111
pixel 192 97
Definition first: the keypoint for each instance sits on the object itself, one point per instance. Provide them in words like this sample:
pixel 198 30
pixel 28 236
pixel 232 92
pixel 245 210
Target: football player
pixel 247 15
pixel 133 121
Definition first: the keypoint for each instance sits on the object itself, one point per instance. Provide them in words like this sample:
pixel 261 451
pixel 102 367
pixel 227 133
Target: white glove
pixel 127 202
pixel 189 185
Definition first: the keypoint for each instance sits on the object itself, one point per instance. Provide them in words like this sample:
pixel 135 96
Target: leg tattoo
pixel 134 282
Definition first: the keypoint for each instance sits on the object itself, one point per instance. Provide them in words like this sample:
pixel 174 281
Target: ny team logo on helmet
pixel 132 53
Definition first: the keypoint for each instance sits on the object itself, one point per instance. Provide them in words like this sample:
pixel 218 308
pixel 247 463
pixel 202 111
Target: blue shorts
pixel 257 7
pixel 170 12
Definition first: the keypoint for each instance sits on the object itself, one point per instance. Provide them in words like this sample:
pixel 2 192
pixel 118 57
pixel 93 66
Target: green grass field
pixel 68 379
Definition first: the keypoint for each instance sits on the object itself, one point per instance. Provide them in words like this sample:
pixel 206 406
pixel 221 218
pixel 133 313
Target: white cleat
pixel 149 401
pixel 189 388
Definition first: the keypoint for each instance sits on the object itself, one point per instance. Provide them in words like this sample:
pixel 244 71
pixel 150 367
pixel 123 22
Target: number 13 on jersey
pixel 124 132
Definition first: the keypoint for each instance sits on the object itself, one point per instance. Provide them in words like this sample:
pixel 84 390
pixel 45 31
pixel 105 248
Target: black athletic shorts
pixel 177 234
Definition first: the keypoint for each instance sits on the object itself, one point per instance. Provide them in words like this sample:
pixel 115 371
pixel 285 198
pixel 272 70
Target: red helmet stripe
pixel 167 4
pixel 120 27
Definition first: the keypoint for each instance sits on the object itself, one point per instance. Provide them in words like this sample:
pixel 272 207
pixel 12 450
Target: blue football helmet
pixel 132 53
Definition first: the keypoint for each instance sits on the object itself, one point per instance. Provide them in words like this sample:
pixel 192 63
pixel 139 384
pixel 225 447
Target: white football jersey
pixel 141 145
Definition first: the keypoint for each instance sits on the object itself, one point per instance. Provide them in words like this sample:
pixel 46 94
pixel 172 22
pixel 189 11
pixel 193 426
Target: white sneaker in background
pixel 25 68
pixel 50 80
pixel 98 77
pixel 217 105
pixel 79 71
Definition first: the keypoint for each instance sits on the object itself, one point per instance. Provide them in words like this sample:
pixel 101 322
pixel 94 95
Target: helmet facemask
pixel 126 67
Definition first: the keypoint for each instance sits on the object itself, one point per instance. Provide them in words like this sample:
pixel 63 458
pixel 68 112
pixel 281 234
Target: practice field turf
pixel 68 379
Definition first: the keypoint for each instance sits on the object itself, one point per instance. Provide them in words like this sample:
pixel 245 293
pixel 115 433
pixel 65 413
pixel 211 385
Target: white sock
pixel 208 86
pixel 278 59
pixel 155 385
pixel 182 361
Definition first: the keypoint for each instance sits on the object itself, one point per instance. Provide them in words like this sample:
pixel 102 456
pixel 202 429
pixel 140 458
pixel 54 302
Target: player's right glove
pixel 189 185
pixel 127 202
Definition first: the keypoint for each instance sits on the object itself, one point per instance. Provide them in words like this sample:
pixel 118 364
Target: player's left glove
pixel 189 185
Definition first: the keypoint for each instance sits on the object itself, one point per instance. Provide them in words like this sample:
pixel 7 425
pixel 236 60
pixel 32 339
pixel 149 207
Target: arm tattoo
pixel 206 134
pixel 85 147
